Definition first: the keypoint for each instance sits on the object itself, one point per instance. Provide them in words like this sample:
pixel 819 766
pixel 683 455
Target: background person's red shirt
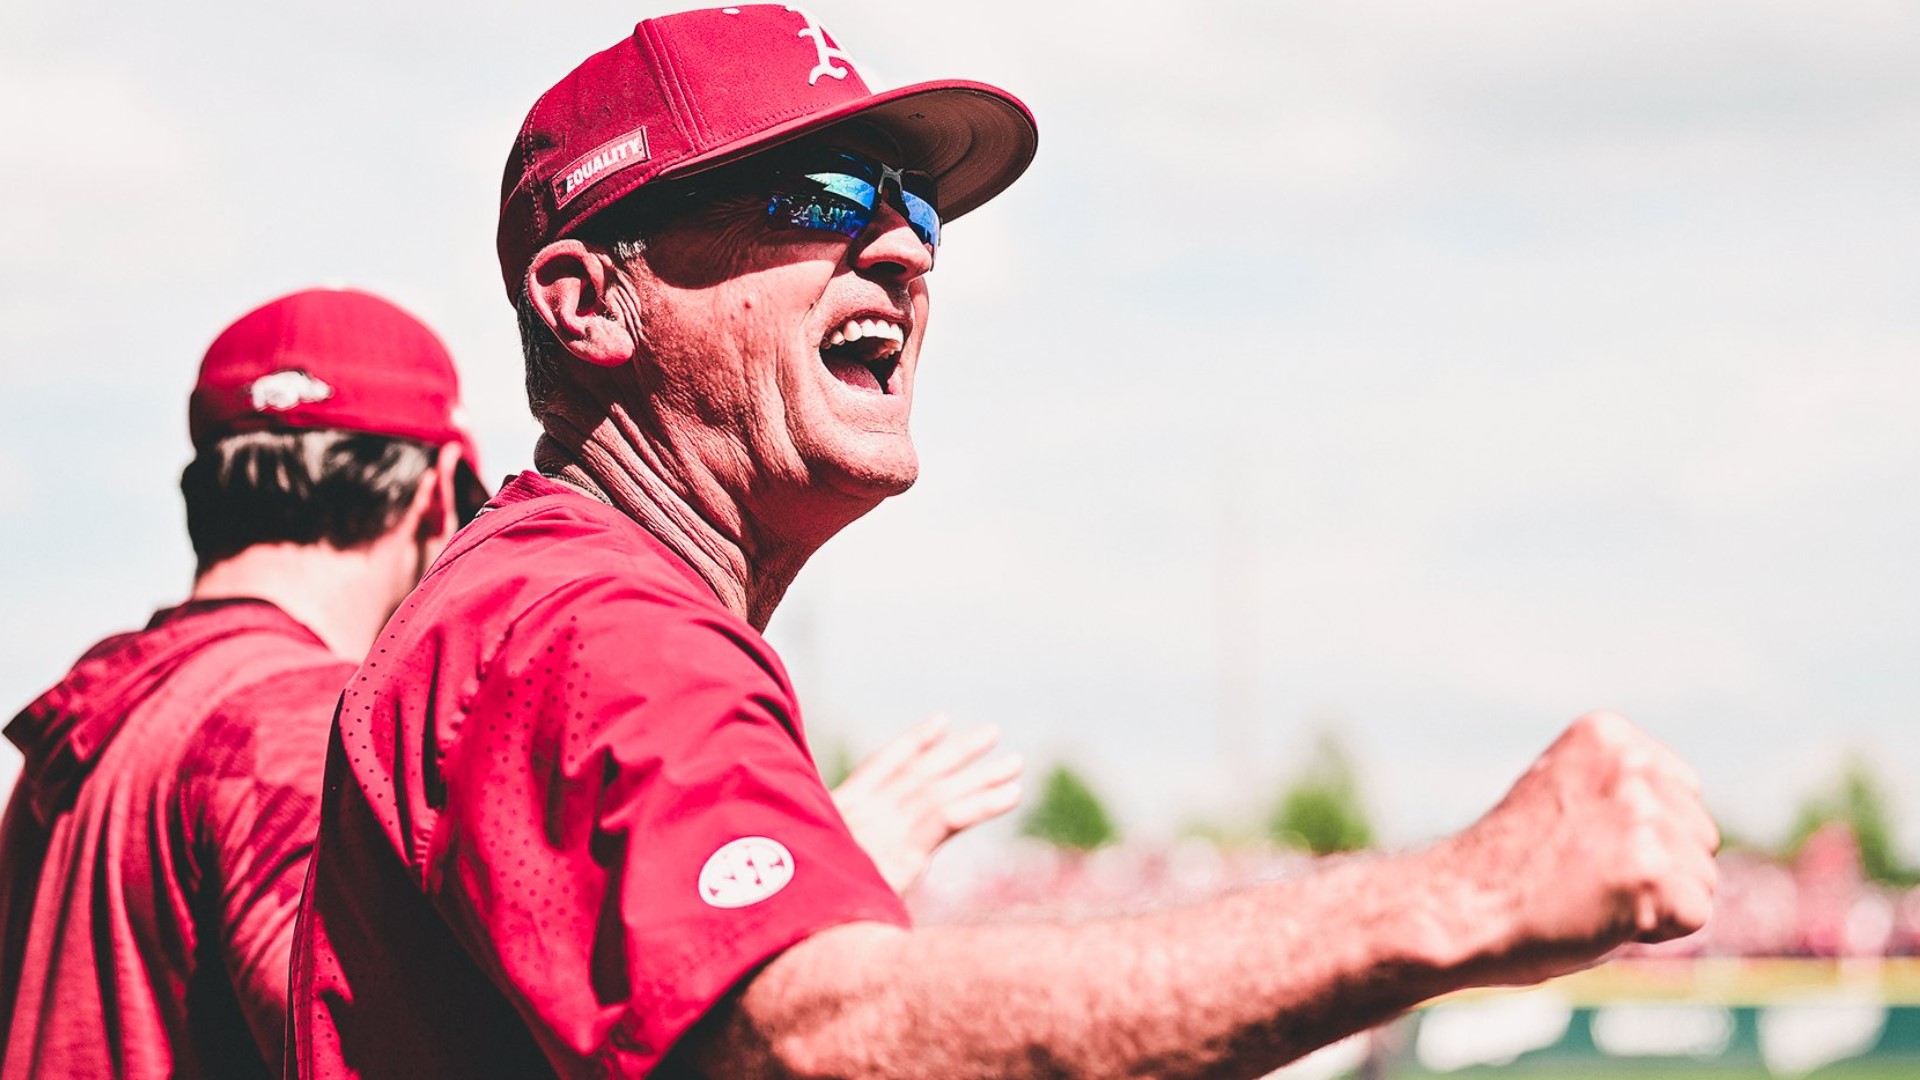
pixel 569 805
pixel 154 848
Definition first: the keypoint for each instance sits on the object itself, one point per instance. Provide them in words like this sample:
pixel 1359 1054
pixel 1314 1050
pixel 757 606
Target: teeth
pixel 857 329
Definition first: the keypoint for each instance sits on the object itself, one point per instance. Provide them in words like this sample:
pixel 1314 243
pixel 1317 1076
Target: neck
pixel 600 451
pixel 340 595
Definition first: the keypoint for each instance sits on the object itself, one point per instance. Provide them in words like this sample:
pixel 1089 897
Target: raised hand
pixel 921 789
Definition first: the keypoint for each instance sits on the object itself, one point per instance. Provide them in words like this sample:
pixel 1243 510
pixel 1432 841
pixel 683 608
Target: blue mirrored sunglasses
pixel 839 191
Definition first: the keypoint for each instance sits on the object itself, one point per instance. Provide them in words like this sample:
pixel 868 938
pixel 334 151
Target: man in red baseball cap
pixel 152 858
pixel 571 826
pixel 153 852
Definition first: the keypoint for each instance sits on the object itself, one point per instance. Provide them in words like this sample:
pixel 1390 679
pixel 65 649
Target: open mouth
pixel 864 353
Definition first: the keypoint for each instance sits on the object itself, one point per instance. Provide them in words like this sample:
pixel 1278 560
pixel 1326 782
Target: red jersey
pixel 569 805
pixel 153 851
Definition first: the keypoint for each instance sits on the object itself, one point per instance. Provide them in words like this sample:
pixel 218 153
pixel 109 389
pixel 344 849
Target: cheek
pixel 740 365
pixel 701 348
pixel 922 310
pixel 732 244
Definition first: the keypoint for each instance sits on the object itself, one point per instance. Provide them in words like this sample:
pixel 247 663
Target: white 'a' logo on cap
pixel 282 390
pixel 827 54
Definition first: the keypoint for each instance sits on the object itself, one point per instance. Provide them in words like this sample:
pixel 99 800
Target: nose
pixel 890 248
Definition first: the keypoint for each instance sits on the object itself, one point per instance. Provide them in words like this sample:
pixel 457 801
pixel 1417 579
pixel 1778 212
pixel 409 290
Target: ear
pixel 434 510
pixel 571 287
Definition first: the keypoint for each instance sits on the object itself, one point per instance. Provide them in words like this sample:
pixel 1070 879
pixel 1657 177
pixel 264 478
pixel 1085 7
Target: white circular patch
pixel 745 871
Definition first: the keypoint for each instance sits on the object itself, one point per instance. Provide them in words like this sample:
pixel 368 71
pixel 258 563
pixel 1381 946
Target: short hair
pixel 344 489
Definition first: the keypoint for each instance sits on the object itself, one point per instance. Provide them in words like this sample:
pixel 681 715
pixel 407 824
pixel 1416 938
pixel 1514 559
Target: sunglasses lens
pixel 843 201
pixel 923 217
pixel 840 204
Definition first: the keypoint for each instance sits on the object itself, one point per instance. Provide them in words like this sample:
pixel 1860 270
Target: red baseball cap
pixel 332 358
pixel 690 91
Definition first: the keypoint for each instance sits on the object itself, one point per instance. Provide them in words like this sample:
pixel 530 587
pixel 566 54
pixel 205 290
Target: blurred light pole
pixel 1236 623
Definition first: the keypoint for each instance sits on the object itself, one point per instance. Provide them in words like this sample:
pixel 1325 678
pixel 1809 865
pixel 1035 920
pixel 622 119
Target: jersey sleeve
pixel 632 824
pixel 256 767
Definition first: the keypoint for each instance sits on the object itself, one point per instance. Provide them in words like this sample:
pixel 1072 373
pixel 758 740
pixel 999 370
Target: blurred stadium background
pixel 1810 966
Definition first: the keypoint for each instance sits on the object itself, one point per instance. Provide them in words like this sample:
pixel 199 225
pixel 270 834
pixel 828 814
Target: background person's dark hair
pixel 341 488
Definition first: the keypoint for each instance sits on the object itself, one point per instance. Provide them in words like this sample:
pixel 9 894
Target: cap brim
pixel 974 139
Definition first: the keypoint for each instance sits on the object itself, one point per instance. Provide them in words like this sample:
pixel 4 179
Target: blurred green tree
pixel 1858 799
pixel 1069 814
pixel 1322 810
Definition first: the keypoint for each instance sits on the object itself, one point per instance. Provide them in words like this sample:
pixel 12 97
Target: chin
pixel 874 468
pixel 882 480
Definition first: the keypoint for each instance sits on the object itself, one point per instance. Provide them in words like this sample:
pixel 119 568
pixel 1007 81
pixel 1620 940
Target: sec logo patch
pixel 745 871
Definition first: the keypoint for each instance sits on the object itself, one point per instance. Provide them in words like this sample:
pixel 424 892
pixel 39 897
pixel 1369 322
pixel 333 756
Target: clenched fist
pixel 1604 840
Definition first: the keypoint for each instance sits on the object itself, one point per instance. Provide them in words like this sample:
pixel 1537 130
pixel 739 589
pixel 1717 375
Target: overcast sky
pixel 1461 366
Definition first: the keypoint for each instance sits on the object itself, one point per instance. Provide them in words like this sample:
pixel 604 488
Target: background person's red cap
pixel 690 91
pixel 331 358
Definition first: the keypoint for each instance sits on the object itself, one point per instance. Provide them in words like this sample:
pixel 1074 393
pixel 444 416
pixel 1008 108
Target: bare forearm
pixel 1604 839
pixel 1231 988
